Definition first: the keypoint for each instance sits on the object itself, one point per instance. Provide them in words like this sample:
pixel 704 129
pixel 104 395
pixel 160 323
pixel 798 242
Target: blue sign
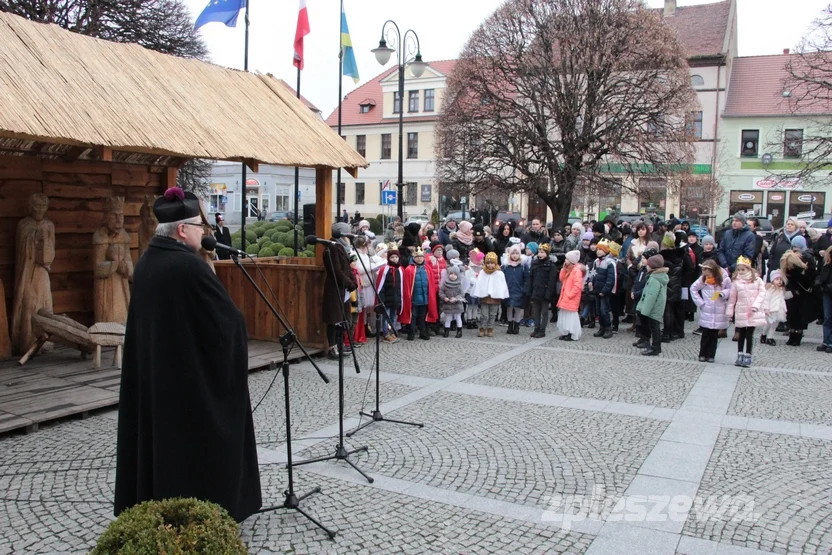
pixel 388 197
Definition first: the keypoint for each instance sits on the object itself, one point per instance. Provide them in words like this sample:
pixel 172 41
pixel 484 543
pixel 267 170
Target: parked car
pixel 630 217
pixel 765 228
pixel 698 228
pixel 278 216
pixel 504 216
pixel 456 215
pixel 420 219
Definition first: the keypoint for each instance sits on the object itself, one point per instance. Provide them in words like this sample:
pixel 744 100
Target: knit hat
pixel 363 223
pixel 413 228
pixel 598 227
pixel 692 232
pixel 476 256
pixel 452 254
pixel 681 236
pixel 741 217
pixel 557 231
pixel 435 246
pixel 573 256
pixel 669 241
pixel 425 244
pixel 655 262
pixel 708 240
pixel 653 245
pixel 799 241
pixel 341 227
pixel 588 236
pixel 491 257
pixel 603 247
pixel 532 246
pixel 650 251
pixel 514 249
pixel 774 275
pixel 479 231
pixel 454 269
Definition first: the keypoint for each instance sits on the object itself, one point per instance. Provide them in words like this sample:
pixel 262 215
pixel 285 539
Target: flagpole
pixel 297 180
pixel 340 95
pixel 243 182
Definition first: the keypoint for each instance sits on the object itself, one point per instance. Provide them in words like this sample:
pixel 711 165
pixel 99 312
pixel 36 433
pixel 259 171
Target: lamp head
pixel 383 52
pixel 417 66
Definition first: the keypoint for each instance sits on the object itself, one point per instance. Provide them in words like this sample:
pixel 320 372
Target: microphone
pixel 337 234
pixel 311 240
pixel 210 244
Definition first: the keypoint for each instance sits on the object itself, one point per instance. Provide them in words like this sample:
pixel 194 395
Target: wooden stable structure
pixel 83 119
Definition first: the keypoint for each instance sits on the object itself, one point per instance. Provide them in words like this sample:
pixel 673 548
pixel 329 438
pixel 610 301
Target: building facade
pixel 761 144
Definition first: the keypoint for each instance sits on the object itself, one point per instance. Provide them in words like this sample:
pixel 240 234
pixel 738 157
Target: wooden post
pixel 169 178
pixel 323 208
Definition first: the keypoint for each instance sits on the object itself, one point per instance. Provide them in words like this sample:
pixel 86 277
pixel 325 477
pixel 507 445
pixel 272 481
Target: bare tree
pixel 808 90
pixel 162 25
pixel 550 93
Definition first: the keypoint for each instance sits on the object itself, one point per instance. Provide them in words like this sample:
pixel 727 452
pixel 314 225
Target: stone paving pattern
pixel 505 449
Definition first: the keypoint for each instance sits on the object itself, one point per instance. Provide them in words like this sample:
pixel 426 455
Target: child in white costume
pixel 774 305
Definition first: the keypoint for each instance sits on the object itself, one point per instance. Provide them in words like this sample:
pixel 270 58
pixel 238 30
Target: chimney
pixel 786 51
pixel 669 7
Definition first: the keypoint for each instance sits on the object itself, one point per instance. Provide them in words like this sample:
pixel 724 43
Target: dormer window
pixel 697 81
pixel 366 105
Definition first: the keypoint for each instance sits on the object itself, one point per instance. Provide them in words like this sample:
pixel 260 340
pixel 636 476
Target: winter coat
pixel 558 253
pixel 824 279
pixel 779 246
pixel 573 286
pixel 452 290
pixel 516 277
pixel 711 312
pixel 736 243
pixel 538 237
pixel 588 256
pixel 603 282
pixel 823 243
pixel 676 263
pixel 389 284
pixel 491 285
pixel 640 282
pixel 713 255
pixel 654 297
pixel 572 242
pixel 804 307
pixel 774 303
pixel 462 248
pixel 339 277
pixel 445 234
pixel 543 279
pixel 745 303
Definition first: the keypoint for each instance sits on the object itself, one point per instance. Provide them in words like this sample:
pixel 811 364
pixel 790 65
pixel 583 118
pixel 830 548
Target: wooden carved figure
pixel 113 265
pixel 35 253
pixel 149 222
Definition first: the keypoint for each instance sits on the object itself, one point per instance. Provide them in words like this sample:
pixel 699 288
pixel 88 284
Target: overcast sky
pixel 443 26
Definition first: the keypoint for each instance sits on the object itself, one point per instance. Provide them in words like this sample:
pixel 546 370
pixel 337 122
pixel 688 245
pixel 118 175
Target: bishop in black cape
pixel 184 426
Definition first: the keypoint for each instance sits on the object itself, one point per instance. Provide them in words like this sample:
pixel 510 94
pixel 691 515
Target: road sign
pixel 388 197
pixel 463 200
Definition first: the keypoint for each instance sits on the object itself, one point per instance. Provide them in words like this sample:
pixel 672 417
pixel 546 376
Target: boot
pixel 591 324
pixel 490 332
pixel 482 332
pixel 510 330
pixel 608 334
pixel 458 332
pixel 641 344
pixel 424 334
pixel 792 339
pixel 740 359
pixel 411 335
pixel 771 342
pixel 453 325
pixel 763 340
pixel 746 361
pixel 599 333
pixel 798 337
pixel 447 331
pixel 651 352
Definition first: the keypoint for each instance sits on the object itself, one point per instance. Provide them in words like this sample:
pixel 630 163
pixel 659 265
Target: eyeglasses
pixel 196 225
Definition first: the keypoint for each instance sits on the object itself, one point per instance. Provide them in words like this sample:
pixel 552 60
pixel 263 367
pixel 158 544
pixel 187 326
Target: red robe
pixel 407 299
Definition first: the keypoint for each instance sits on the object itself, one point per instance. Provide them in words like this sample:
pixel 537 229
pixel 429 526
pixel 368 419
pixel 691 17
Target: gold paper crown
pixel 392 247
pixel 114 204
pixel 744 260
pixel 604 245
pixel 418 252
pixel 546 247
pixel 491 257
pixel 615 248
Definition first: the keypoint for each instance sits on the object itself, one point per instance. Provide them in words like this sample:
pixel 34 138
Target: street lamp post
pixel 417 67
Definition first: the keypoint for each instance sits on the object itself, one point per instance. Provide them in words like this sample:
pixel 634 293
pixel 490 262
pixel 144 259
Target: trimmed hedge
pixel 173 526
pixel 253 249
pixel 265 251
pixel 286 252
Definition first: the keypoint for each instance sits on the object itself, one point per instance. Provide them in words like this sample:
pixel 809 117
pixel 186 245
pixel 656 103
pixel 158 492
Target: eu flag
pixel 223 11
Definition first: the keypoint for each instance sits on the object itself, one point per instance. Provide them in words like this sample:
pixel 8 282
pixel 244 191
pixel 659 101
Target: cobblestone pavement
pixel 529 446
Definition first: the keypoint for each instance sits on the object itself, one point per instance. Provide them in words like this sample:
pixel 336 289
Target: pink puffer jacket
pixel 745 303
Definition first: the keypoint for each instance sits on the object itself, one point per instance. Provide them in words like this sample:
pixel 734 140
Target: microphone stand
pixel 290 499
pixel 341 453
pixel 376 415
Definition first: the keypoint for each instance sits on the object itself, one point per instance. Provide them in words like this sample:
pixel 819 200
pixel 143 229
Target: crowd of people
pixel 653 275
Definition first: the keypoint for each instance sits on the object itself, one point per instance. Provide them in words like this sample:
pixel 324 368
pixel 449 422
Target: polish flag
pixel 301 31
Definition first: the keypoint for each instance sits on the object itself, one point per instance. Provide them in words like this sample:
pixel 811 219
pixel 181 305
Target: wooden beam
pixel 253 165
pixel 353 172
pixel 73 153
pixel 323 208
pixel 103 153
pixel 169 178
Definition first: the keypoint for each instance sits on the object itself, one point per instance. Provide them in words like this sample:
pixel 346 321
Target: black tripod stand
pixel 290 499
pixel 341 453
pixel 380 309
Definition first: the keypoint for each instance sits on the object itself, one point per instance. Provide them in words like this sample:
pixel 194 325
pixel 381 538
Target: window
pixel 750 142
pixel 281 203
pixel 359 193
pixel 429 96
pixel 413 101
pixel 694 124
pixel 361 144
pixel 364 108
pixel 397 103
pixel 697 81
pixel 342 193
pixel 412 145
pixel 411 190
pixel 793 144
pixel 253 207
pixel 385 146
pixel 265 205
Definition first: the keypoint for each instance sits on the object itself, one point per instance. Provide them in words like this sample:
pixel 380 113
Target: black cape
pixel 184 423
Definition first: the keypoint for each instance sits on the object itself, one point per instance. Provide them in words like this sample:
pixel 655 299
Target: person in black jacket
pixel 678 263
pixel 540 288
pixel 824 284
pixel 695 252
pixel 823 243
pixel 642 322
pixel 801 302
pixel 223 235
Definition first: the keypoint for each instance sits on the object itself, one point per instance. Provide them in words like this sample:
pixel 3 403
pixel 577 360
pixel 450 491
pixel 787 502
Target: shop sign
pixel 251 182
pixel 745 196
pixel 769 183
pixel 776 198
pixel 807 198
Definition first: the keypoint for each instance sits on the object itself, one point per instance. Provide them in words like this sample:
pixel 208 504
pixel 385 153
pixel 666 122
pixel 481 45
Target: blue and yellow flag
pixel 347 55
pixel 221 11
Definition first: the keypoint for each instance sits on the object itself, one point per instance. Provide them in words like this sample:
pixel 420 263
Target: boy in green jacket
pixel 652 303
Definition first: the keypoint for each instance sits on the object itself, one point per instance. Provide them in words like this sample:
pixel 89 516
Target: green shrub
pixel 260 230
pixel 375 226
pixel 253 249
pixel 277 247
pixel 251 237
pixel 173 526
pixel 236 234
pixel 264 240
pixel 302 254
pixel 265 251
pixel 286 252
pixel 284 225
pixel 434 217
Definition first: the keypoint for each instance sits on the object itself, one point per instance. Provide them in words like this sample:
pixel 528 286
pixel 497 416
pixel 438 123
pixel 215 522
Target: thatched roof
pixel 68 89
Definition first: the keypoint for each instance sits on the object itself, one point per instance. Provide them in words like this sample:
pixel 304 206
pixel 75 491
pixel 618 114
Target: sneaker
pixel 740 359
pixel 641 344
pixel 822 349
pixel 702 359
pixel 698 331
pixel 651 352
pixel 746 361
pixel 709 360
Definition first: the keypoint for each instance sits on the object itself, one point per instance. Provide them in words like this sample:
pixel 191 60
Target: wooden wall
pixel 76 191
pixel 299 290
